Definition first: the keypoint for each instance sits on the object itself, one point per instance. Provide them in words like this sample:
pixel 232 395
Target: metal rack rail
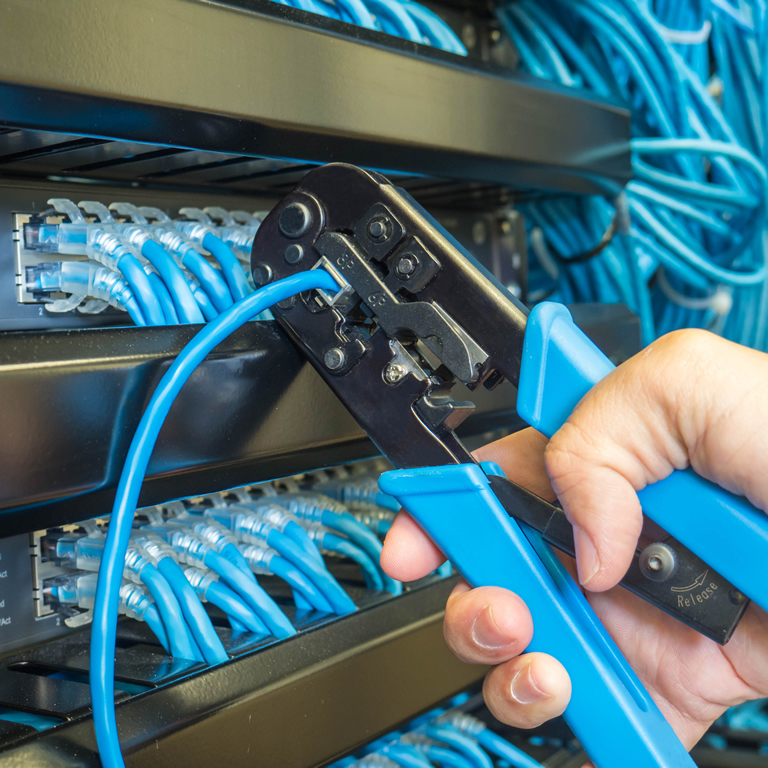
pixel 255 79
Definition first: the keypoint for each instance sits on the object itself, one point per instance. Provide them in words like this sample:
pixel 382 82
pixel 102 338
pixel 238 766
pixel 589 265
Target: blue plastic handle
pixel 610 712
pixel 560 365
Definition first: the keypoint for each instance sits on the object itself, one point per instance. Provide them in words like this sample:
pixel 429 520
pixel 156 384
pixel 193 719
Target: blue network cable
pixel 266 526
pixel 328 512
pixel 265 560
pixel 330 542
pixel 688 245
pixel 155 623
pixel 193 550
pixel 180 640
pixel 239 615
pixel 104 628
pixel 463 744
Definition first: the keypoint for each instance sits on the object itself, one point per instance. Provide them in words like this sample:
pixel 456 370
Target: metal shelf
pixel 301 702
pixel 253 411
pixel 256 79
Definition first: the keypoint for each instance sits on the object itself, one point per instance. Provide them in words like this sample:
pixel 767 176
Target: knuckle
pixel 685 347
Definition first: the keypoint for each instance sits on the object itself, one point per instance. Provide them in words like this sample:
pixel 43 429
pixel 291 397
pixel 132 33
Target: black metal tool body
pixel 416 314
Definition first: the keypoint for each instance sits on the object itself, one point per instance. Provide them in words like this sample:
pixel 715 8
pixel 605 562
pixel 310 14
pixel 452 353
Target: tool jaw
pixel 389 343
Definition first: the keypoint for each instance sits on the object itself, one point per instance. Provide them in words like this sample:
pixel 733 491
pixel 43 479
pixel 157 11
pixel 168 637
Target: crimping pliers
pixel 415 314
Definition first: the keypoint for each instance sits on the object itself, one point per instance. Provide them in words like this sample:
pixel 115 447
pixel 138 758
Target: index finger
pixel 408 552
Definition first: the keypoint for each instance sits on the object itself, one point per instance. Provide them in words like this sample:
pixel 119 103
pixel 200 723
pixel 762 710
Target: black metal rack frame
pixel 258 79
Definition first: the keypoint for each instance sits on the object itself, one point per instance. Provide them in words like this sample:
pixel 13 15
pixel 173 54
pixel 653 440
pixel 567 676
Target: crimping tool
pixel 415 314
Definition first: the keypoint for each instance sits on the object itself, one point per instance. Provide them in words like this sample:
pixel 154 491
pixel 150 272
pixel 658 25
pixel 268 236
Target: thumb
pixel 689 398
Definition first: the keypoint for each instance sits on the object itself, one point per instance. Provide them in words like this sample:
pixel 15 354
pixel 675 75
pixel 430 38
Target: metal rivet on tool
pixel 295 219
pixel 262 275
pixel 406 266
pixel 394 373
pixel 378 228
pixel 736 597
pixel 658 562
pixel 334 359
pixel 287 304
pixel 293 253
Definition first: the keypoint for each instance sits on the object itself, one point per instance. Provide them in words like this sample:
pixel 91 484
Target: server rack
pixel 237 100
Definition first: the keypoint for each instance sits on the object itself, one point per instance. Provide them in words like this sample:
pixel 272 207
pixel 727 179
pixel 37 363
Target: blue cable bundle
pixel 688 245
pixel 448 738
pixel 401 18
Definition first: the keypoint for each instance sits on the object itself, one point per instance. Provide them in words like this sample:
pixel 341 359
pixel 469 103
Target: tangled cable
pixel 689 248
pixel 402 18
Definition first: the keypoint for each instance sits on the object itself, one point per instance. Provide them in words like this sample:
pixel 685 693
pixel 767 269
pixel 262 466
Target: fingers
pixel 487 625
pixel 521 456
pixel 527 691
pixel 409 554
pixel 658 411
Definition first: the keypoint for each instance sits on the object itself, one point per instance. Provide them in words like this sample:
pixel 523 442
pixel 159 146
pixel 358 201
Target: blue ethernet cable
pixel 179 637
pixel 184 301
pixel 266 560
pixel 434 28
pixel 203 301
pixel 193 550
pixel 184 251
pixel 334 516
pixel 317 573
pixel 209 277
pixel 230 266
pixel 251 593
pixel 155 623
pixel 475 728
pixel 141 287
pixel 446 758
pixel 104 628
pixel 237 611
pixel 395 20
pixel 239 615
pixel 405 756
pixel 224 542
pixel 81 279
pixel 645 54
pixel 197 619
pixel 164 297
pixel 500 747
pixel 362 537
pixel 463 744
pixel 300 584
pixel 296 533
pixel 330 542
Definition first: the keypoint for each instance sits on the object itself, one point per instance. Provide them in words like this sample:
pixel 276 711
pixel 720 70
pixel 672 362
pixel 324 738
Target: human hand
pixel 689 398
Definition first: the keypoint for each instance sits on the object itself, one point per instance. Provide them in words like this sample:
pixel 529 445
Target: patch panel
pixel 497 239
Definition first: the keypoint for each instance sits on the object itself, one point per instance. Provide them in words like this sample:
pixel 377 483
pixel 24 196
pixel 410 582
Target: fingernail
pixel 486 633
pixel 587 561
pixel 524 689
